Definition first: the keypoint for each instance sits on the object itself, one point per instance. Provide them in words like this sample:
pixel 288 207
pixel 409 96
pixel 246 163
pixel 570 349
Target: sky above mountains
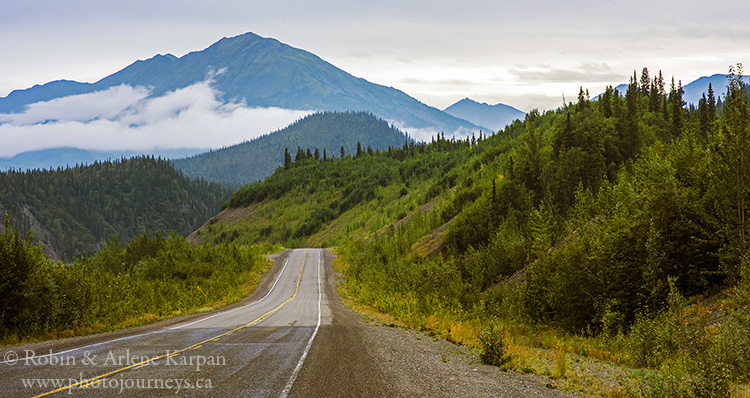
pixel 524 54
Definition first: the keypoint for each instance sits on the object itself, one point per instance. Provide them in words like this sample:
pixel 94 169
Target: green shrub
pixel 492 340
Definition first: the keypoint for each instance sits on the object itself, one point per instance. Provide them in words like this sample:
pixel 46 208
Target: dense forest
pixel 76 210
pixel 256 159
pixel 621 221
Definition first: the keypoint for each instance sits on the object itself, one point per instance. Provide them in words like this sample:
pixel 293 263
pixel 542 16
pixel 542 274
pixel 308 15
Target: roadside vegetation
pixel 151 278
pixel 604 244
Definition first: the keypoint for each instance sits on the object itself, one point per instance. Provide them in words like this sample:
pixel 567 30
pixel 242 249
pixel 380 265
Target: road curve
pixel 257 349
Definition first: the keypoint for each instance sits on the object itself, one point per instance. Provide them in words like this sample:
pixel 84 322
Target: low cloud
pixel 126 118
pixel 428 133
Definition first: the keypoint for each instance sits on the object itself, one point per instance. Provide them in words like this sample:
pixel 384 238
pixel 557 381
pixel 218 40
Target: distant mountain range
pixel 70 157
pixel 261 72
pixel 255 160
pixel 695 89
pixel 496 117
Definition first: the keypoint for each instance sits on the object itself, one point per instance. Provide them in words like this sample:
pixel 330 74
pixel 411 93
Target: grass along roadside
pixel 528 350
pixel 247 285
pixel 151 279
pixel 697 347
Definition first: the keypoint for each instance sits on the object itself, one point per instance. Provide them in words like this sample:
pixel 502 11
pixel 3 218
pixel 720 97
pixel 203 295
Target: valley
pixel 599 248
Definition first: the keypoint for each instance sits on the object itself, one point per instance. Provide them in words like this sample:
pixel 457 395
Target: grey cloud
pixel 107 104
pixel 122 118
pixel 448 82
pixel 585 73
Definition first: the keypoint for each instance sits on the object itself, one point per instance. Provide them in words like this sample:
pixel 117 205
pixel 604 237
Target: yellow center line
pixel 89 382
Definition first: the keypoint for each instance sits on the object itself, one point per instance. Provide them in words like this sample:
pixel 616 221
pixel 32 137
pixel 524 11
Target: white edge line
pixel 51 354
pixel 292 379
pixel 238 308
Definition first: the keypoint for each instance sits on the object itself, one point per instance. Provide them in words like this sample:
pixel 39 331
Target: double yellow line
pixel 95 379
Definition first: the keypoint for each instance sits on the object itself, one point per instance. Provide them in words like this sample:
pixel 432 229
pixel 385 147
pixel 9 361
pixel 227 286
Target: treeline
pixel 256 159
pixel 121 286
pixel 76 210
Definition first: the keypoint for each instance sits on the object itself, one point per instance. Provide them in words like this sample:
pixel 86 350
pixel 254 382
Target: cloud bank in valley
pixel 126 118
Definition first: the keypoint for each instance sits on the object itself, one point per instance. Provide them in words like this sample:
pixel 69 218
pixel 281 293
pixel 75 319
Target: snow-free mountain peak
pixel 494 117
pixel 260 72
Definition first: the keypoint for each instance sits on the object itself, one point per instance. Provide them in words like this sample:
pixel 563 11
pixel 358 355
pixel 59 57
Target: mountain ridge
pixel 261 72
pixel 70 156
pixel 694 90
pixel 495 116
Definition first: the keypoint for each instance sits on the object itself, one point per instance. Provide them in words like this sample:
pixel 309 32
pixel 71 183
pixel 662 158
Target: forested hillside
pixel 620 223
pixel 315 200
pixel 256 159
pixel 77 210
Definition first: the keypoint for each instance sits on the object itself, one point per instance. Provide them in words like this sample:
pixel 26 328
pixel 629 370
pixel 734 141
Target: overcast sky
pixel 526 54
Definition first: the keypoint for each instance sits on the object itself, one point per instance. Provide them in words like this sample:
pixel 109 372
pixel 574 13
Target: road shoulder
pixel 352 357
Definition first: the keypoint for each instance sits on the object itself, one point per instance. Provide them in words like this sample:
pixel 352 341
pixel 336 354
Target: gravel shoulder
pixel 421 365
pixel 356 357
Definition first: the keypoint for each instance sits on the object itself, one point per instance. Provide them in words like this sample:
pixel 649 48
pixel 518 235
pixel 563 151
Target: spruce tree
pixel 287 158
pixel 676 109
pixel 645 82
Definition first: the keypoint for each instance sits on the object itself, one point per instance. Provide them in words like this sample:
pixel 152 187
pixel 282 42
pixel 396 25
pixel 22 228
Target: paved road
pixel 257 349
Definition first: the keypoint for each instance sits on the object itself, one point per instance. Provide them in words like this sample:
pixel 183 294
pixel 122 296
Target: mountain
pixel 18 99
pixel 76 210
pixel 69 157
pixel 695 89
pixel 262 72
pixel 496 117
pixel 255 160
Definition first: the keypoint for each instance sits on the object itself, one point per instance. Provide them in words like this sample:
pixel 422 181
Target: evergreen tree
pixel 582 101
pixel 711 102
pixel 605 102
pixel 733 150
pixel 287 158
pixel 676 110
pixel 703 119
pixel 645 82
pixel 631 125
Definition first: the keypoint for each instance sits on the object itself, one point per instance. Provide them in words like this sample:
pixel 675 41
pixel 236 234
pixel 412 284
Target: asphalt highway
pixel 284 340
